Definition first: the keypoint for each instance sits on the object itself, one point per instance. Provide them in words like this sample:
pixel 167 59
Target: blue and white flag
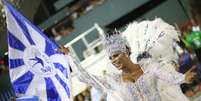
pixel 36 67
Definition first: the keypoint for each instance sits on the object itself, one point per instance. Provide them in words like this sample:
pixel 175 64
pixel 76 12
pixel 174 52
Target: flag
pixel 36 67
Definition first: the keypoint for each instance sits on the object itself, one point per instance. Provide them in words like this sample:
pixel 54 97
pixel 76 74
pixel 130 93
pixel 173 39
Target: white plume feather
pixel 155 37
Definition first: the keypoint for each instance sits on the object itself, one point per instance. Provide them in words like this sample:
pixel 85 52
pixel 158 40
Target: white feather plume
pixel 155 37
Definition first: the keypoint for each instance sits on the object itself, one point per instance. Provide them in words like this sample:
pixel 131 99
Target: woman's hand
pixel 64 49
pixel 190 75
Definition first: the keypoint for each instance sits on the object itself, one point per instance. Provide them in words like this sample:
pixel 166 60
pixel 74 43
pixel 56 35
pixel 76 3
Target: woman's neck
pixel 130 68
pixel 132 72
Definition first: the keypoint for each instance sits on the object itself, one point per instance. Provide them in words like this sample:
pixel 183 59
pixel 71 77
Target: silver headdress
pixel 116 43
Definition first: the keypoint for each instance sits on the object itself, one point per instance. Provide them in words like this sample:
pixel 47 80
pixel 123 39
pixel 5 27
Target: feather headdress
pixel 155 38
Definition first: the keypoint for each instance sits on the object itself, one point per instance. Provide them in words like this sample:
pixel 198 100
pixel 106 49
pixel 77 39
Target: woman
pixel 158 38
pixel 135 83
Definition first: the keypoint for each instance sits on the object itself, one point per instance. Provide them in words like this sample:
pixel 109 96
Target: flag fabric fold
pixel 33 70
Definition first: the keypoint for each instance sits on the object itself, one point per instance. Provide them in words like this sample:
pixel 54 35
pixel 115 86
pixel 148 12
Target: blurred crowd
pixel 76 10
pixel 90 94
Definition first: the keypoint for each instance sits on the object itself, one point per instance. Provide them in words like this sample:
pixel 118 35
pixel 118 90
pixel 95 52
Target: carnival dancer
pixel 137 82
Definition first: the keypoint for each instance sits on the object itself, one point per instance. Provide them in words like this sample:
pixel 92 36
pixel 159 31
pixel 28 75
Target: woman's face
pixel 120 60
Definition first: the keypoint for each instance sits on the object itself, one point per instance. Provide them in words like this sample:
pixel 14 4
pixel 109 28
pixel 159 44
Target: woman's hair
pixel 194 8
pixel 128 50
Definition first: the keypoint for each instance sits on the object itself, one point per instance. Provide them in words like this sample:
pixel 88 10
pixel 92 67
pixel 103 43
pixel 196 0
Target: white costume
pixel 157 38
pixel 146 87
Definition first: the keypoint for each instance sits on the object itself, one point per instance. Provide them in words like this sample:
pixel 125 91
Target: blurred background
pixel 79 24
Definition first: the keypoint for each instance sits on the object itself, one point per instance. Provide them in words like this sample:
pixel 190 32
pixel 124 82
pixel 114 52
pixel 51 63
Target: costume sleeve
pixel 98 82
pixel 165 73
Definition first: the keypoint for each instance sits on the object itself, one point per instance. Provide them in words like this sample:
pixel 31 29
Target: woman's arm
pixel 98 82
pixel 172 76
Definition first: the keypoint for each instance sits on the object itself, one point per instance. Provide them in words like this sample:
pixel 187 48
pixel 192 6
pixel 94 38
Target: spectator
pixel 12 99
pixel 86 94
pixel 195 13
pixel 80 97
